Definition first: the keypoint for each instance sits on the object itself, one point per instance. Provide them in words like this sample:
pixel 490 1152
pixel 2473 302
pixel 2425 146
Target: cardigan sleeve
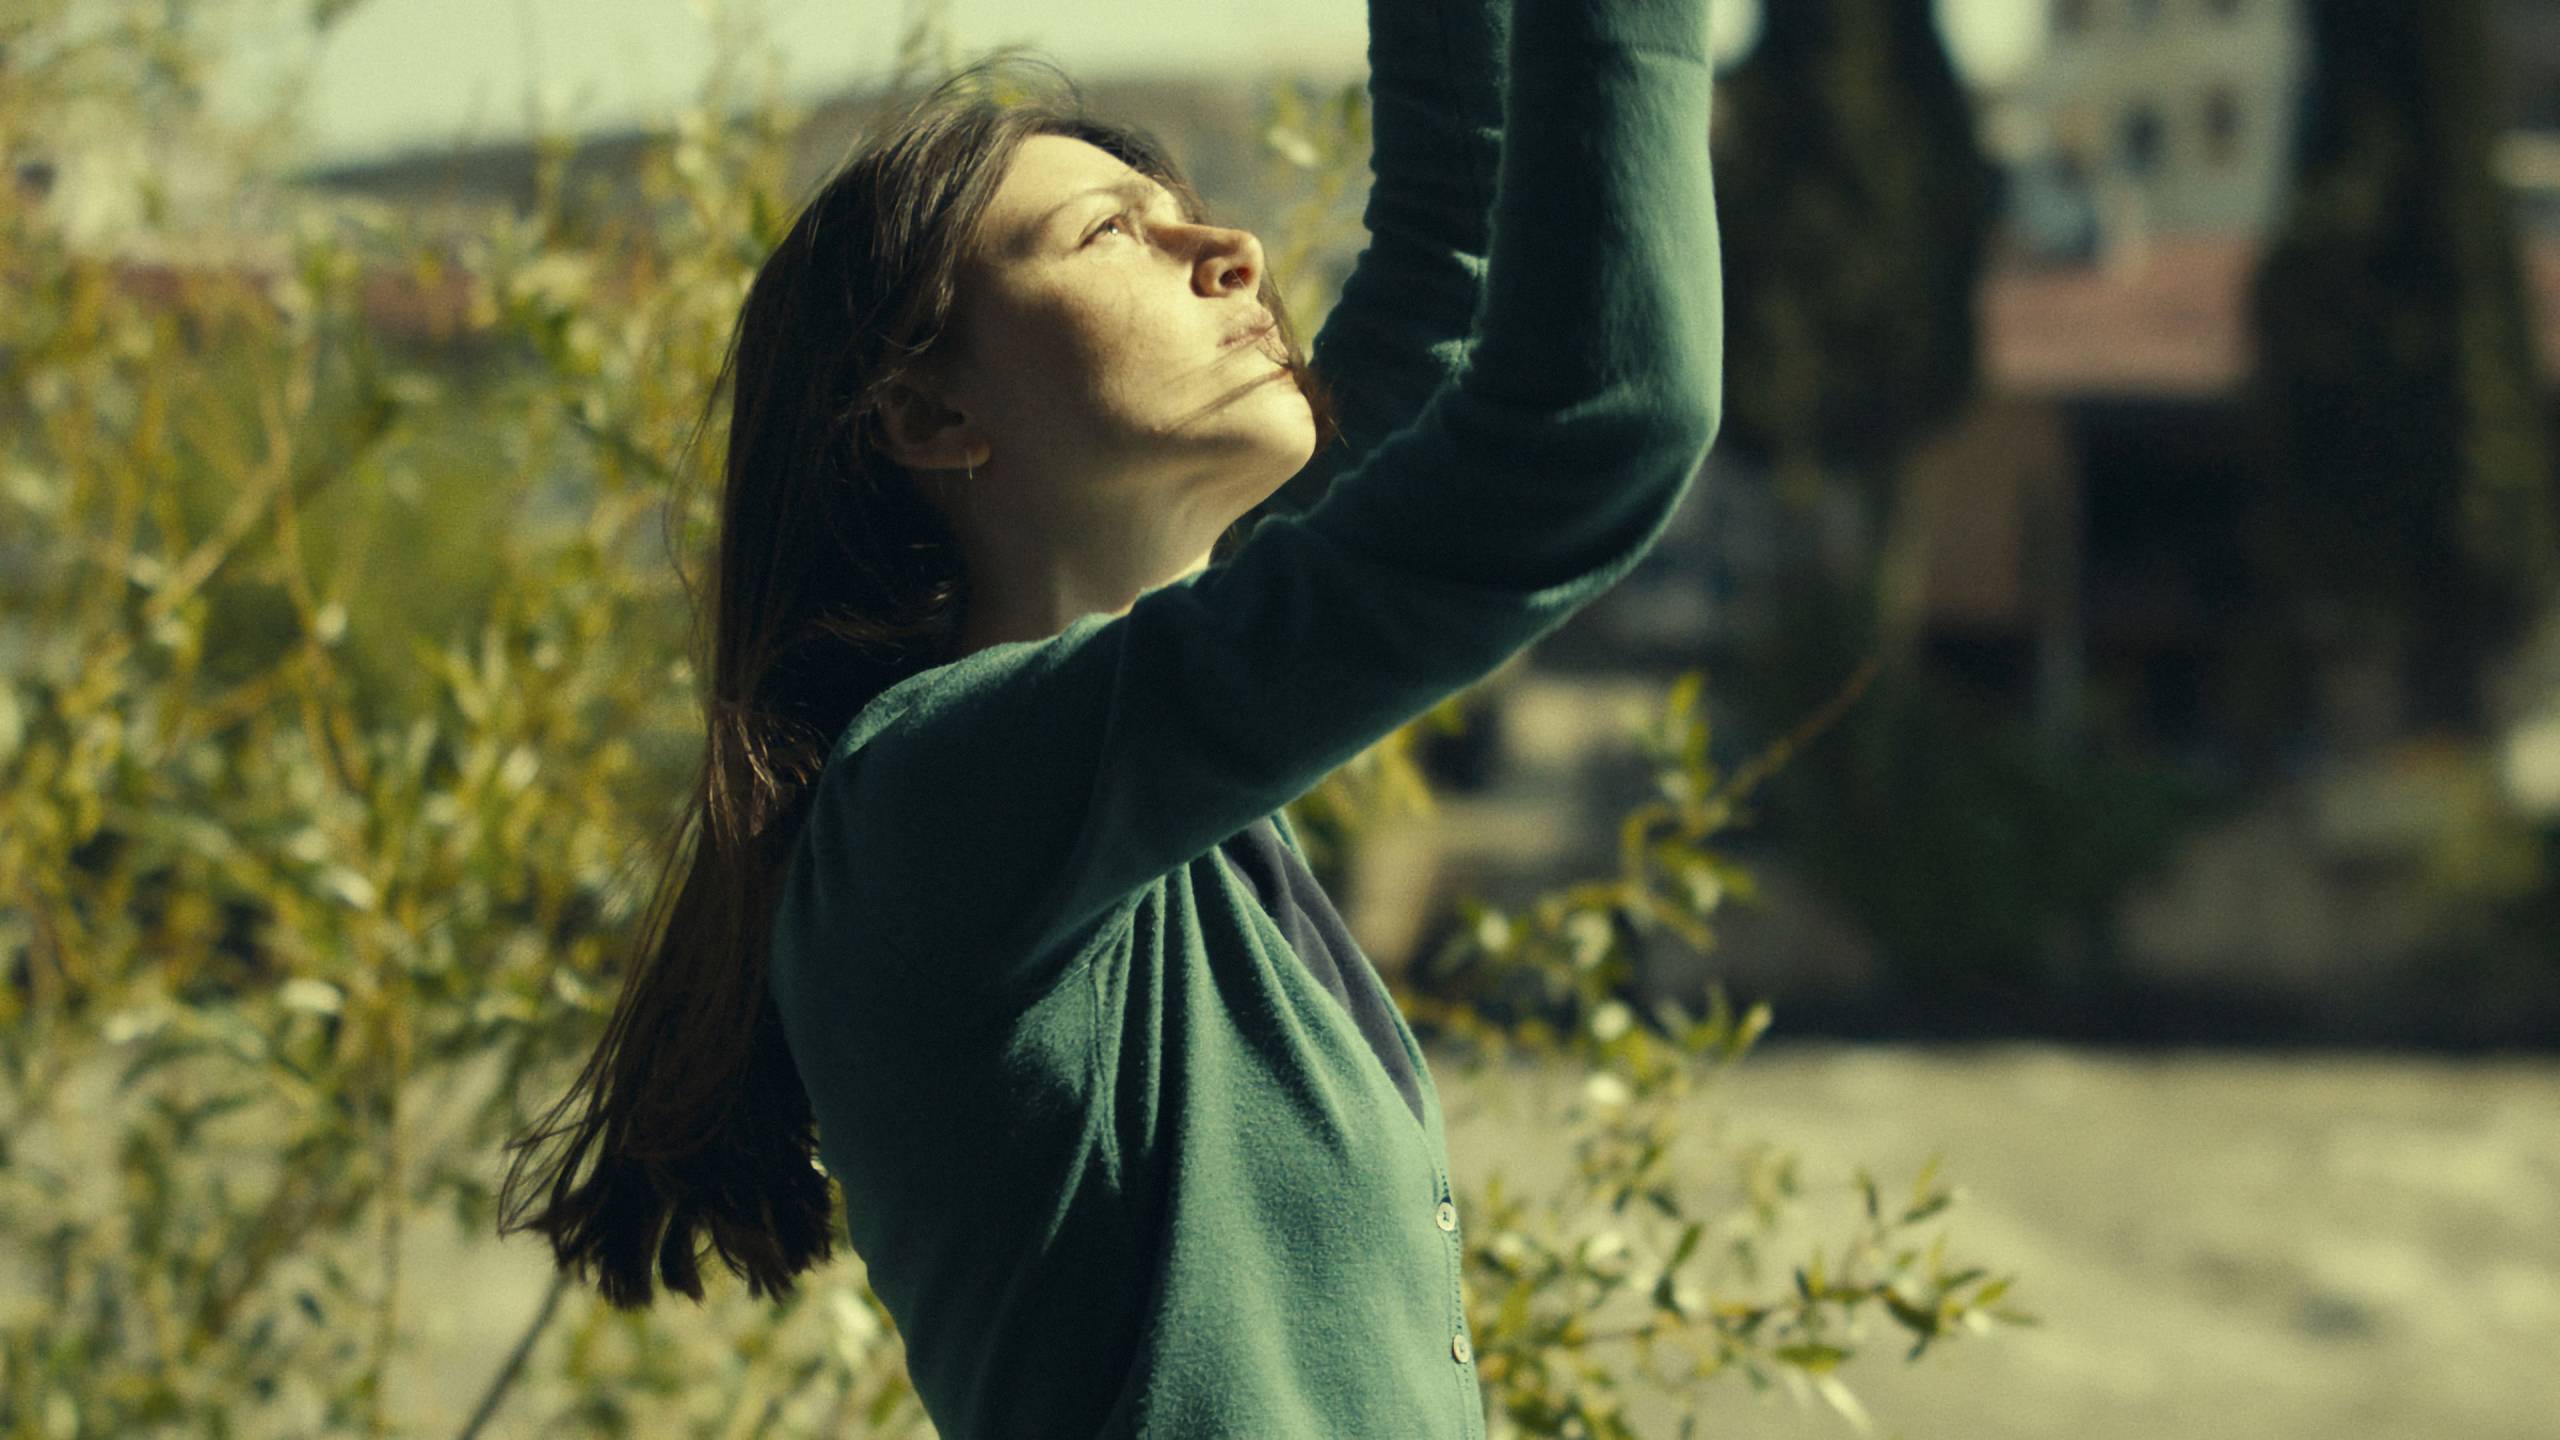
pixel 1405 319
pixel 995 814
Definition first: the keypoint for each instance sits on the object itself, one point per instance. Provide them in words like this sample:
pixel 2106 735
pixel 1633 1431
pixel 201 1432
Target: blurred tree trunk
pixel 1861 205
pixel 2397 388
pixel 1859 212
pixel 1859 208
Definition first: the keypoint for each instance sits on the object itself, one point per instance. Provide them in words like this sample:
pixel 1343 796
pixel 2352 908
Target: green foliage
pixel 339 702
pixel 1989 852
pixel 1637 1223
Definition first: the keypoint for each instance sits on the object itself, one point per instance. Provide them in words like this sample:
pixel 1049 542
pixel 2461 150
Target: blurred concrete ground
pixel 2219 1246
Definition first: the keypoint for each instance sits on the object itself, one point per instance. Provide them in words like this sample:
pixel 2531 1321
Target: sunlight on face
pixel 1098 318
pixel 1112 431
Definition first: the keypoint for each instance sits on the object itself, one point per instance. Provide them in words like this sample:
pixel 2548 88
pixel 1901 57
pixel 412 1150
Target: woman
pixel 1132 1140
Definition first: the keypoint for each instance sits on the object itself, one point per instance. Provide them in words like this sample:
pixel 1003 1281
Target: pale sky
pixel 401 73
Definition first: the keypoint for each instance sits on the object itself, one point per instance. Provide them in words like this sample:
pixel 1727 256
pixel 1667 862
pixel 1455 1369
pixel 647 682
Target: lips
pixel 1262 324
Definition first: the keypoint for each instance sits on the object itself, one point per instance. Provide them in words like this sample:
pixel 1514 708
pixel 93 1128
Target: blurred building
pixel 2177 116
pixel 2150 115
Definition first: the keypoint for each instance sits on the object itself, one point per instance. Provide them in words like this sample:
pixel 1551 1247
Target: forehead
pixel 1049 172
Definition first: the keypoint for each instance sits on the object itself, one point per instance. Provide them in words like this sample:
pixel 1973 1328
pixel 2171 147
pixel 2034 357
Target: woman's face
pixel 1098 400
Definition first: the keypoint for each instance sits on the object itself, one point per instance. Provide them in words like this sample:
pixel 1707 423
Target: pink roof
pixel 2171 321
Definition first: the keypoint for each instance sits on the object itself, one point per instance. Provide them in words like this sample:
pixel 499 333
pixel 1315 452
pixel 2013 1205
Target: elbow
pixel 1691 425
pixel 1688 398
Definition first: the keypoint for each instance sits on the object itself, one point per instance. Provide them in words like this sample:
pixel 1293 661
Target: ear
pixel 921 433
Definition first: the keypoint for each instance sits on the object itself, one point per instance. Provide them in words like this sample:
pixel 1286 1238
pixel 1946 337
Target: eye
pixel 1115 220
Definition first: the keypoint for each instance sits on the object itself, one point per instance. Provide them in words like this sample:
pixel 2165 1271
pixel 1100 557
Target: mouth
pixel 1250 334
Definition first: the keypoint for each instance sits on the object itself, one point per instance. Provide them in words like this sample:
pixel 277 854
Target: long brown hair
pixel 833 580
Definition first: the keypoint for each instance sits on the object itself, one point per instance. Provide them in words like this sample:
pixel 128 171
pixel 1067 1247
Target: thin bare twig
pixel 506 1376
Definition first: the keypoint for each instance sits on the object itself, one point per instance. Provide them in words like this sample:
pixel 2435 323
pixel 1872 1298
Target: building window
pixel 2139 138
pixel 2221 125
pixel 2070 17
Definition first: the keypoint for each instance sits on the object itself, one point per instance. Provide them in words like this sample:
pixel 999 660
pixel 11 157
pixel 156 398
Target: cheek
pixel 1077 355
pixel 1042 378
pixel 1124 370
pixel 1090 357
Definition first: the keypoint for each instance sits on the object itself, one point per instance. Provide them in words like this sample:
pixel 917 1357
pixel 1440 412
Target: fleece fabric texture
pixel 1132 1139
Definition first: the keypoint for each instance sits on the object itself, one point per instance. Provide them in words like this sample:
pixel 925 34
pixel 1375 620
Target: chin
pixel 1302 424
pixel 1290 452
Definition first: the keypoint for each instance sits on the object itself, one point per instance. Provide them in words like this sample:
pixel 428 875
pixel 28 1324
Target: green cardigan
pixel 1131 1138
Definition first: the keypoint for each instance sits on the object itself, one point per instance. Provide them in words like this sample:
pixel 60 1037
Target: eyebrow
pixel 1136 187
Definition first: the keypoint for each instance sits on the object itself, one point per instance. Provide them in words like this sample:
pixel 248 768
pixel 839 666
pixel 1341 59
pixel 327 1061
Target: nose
pixel 1239 263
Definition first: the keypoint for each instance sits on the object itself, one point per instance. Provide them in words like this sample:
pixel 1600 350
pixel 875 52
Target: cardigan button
pixel 1458 1347
pixel 1448 1216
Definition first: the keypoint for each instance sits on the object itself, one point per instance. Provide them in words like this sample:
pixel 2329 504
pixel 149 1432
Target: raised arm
pixel 1402 324
pixel 983 823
